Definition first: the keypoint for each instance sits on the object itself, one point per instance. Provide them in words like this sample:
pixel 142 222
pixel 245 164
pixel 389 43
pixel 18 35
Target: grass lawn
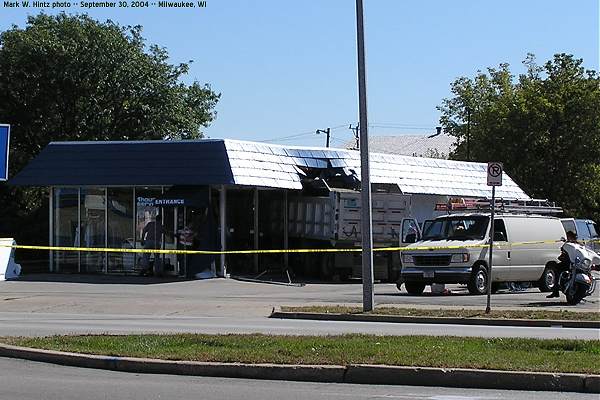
pixel 426 351
pixel 461 313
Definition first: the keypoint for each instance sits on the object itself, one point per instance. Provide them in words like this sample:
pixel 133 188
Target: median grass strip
pixel 456 313
pixel 424 351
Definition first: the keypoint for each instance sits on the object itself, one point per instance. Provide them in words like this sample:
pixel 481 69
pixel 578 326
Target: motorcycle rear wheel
pixel 580 293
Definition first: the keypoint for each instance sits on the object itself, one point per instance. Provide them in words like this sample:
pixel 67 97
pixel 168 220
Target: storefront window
pixel 93 227
pixel 65 232
pixel 120 229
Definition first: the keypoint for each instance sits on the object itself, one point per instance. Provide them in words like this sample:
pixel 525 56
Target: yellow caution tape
pixel 271 251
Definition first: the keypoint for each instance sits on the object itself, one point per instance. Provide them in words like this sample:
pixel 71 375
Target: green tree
pixel 544 125
pixel 70 77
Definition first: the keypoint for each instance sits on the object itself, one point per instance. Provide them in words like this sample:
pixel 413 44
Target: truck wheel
pixel 326 270
pixel 393 275
pixel 548 280
pixel 414 288
pixel 479 280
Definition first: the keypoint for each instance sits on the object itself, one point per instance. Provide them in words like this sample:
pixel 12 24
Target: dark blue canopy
pixel 139 163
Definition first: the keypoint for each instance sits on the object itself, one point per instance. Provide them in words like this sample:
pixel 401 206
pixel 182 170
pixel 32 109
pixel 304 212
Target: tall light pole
pixel 365 182
pixel 327 132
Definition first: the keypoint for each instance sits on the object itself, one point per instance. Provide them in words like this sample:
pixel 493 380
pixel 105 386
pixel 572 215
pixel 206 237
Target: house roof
pixel 439 146
pixel 233 162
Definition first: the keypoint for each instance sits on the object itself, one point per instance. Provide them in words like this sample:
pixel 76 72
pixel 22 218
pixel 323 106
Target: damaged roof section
pixel 234 162
pixel 272 165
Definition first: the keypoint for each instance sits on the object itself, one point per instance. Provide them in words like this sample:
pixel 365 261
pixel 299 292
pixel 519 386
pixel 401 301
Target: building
pixel 233 193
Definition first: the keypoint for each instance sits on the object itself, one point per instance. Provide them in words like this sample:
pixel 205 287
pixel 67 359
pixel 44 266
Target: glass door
pixel 169 261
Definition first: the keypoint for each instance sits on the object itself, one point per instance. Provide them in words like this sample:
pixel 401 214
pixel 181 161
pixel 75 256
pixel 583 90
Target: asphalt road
pixel 62 304
pixel 27 380
pixel 43 324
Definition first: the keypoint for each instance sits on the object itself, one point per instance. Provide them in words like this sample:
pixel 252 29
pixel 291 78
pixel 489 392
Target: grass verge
pixel 576 356
pixel 458 313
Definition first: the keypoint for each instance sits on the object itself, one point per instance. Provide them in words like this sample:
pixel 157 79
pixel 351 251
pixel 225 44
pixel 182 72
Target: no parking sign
pixel 494 173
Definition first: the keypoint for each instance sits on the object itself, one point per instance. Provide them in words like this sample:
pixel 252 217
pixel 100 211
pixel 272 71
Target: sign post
pixel 4 144
pixel 494 178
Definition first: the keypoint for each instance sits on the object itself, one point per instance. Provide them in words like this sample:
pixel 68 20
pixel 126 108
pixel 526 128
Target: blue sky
pixel 287 68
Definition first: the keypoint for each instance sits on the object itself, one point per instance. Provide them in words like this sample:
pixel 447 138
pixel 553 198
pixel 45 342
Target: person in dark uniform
pixel 563 265
pixel 152 239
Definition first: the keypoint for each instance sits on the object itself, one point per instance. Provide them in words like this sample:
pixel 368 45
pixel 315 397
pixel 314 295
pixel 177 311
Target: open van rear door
pixel 410 231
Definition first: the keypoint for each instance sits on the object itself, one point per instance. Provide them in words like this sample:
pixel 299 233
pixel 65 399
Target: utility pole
pixel 365 182
pixel 356 137
pixel 468 133
pixel 327 131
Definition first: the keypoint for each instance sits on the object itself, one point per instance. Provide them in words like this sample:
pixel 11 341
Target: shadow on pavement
pixel 426 294
pixel 97 279
pixel 547 304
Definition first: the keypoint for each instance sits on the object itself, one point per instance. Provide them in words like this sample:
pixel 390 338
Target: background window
pixel 65 231
pixel 93 227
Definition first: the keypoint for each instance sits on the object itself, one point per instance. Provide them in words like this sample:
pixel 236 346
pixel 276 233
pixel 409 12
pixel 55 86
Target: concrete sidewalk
pixel 353 373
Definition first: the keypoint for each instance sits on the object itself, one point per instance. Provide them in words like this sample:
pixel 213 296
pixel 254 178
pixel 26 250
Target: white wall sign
pixel 8 268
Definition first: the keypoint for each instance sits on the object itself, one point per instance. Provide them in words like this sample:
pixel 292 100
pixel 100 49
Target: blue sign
pixel 4 143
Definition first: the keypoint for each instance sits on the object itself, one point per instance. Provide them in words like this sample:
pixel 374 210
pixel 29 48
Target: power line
pixel 344 142
pixel 343 129
pixel 290 137
pixel 297 135
pixel 401 124
pixel 400 127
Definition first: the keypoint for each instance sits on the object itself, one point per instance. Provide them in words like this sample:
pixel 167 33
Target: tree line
pixel 70 77
pixel 544 125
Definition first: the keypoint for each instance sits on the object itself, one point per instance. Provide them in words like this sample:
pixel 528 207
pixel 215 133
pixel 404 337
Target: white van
pixel 458 248
pixel 586 230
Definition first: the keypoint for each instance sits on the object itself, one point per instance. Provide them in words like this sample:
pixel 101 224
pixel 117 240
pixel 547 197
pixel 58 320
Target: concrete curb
pixel 353 373
pixel 436 320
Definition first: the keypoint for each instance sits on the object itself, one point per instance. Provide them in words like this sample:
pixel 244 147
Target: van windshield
pixel 457 228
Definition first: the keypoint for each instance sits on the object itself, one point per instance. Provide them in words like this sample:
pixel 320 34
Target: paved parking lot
pixel 81 294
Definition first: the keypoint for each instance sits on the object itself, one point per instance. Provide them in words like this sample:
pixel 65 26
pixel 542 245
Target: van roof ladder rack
pixel 532 206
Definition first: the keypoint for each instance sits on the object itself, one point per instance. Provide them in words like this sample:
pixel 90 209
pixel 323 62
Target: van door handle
pixel 508 255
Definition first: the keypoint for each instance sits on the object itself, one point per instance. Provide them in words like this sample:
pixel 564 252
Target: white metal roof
pixel 269 165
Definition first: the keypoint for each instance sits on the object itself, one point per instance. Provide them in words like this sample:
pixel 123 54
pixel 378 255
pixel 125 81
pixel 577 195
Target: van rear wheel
pixel 479 280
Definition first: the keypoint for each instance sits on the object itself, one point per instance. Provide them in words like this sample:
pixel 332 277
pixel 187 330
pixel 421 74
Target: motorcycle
pixel 578 282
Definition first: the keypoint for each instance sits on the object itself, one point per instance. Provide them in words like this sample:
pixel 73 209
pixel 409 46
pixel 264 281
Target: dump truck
pixel 334 221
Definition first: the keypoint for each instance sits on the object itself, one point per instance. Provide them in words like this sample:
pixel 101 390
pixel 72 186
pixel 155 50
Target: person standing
pixel 151 240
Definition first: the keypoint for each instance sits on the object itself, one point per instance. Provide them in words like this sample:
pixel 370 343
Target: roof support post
pixel 223 229
pixel 256 234
pixel 79 229
pixel 105 268
pixel 286 235
pixel 51 227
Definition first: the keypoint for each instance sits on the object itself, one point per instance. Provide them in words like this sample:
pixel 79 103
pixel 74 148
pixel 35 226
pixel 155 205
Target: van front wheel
pixel 479 280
